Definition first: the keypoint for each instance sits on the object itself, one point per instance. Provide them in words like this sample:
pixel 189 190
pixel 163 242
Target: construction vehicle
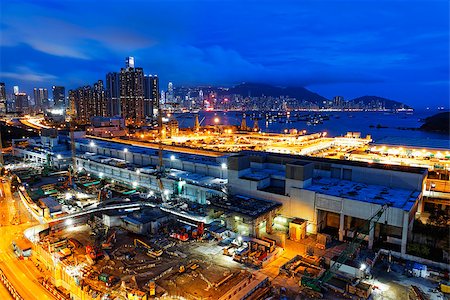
pixel 109 241
pixel 198 233
pixel 316 284
pixel 180 236
pixel 150 251
pixel 94 252
pixel 108 279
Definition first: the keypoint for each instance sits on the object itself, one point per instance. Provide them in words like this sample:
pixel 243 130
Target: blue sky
pixel 395 49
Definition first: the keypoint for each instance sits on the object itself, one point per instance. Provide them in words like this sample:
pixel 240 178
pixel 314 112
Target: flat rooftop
pixel 290 158
pixel 196 178
pixel 187 157
pixel 245 206
pixel 377 194
pixel 260 174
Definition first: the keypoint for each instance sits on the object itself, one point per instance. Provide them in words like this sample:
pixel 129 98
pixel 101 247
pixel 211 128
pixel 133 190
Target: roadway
pixel 22 274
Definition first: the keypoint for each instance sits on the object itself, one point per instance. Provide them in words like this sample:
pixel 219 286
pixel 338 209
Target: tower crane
pixel 360 234
pixel 161 171
pixel 72 140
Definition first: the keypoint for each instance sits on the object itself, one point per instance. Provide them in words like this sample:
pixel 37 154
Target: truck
pixel 241 253
pixel 110 280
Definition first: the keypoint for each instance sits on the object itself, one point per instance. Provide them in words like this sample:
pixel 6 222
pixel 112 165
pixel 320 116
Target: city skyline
pixel 353 50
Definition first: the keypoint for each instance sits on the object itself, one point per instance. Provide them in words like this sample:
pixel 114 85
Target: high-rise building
pixel 113 93
pixel 3 106
pixel 129 62
pixel 16 89
pixel 100 107
pixel 151 87
pixel 169 97
pixel 89 102
pixel 21 102
pixel 59 96
pixel 40 98
pixel 132 94
pixel 338 101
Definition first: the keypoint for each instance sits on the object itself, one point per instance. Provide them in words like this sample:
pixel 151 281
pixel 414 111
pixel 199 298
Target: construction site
pixel 125 220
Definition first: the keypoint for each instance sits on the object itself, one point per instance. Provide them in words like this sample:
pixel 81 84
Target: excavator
pixel 107 245
pixel 150 251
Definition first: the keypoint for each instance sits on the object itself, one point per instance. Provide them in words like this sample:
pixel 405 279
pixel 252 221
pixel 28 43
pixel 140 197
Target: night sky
pixel 394 49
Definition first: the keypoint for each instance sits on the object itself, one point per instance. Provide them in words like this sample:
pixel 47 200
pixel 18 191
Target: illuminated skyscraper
pixel 113 93
pixel 129 62
pixel 40 98
pixel 151 87
pixel 59 97
pixel 99 105
pixel 169 97
pixel 21 102
pixel 2 98
pixel 16 89
pixel 132 94
pixel 89 102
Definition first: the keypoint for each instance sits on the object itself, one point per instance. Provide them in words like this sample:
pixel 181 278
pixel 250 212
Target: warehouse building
pixel 333 195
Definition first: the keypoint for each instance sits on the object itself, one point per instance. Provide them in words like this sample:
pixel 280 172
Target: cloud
pixel 25 74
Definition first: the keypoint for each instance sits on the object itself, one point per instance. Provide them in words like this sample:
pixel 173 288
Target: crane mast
pixel 72 141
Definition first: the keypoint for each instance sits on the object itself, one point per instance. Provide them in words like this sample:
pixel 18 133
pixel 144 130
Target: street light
pixel 216 120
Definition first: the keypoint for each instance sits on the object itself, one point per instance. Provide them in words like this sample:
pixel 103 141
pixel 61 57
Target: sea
pixel 385 128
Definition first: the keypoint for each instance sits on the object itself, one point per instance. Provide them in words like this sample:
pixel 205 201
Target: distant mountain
pixel 439 122
pixel 369 100
pixel 260 89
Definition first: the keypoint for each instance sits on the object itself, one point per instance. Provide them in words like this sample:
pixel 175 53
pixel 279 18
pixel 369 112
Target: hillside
pixel 439 122
pixel 388 103
pixel 259 89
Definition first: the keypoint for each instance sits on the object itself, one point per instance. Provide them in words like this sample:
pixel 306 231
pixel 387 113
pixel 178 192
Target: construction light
pixel 363 267
pixel 138 171
pixel 92 144
pixel 101 175
pixel 58 156
pixel 216 120
pixel 69 222
pixel 223 165
pixel 172 157
pixel 134 184
pixel 125 150
pixel 166 192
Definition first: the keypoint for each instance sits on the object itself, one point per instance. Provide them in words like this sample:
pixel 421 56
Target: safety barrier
pixel 53 291
pixel 12 291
